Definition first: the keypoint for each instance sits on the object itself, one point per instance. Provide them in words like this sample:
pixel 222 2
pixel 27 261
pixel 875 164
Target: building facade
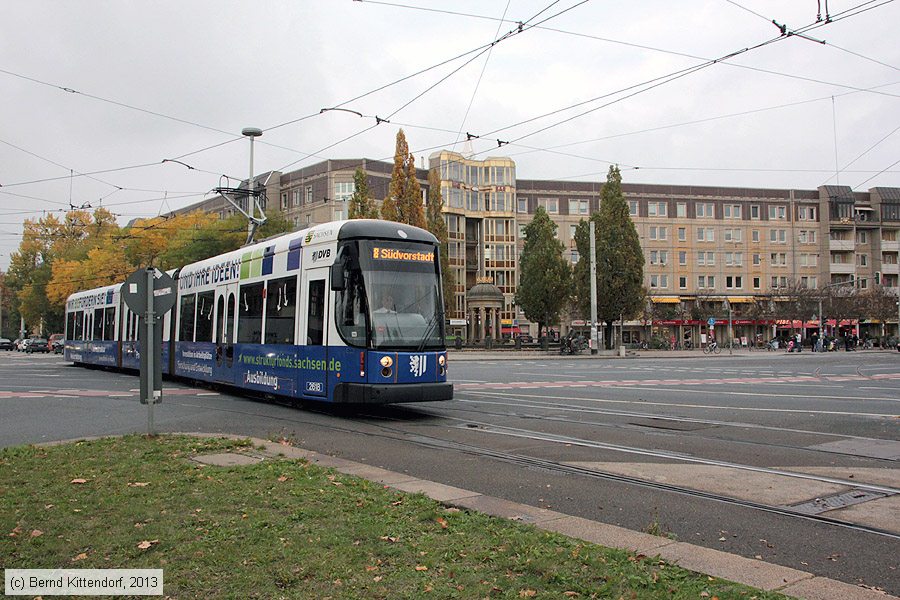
pixel 710 252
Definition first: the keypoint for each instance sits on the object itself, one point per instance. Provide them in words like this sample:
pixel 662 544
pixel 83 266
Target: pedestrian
pixel 814 341
pixel 797 343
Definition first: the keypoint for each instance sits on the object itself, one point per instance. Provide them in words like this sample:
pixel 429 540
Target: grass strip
pixel 287 529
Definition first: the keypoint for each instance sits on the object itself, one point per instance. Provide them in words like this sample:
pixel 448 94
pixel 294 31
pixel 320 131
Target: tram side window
pixel 205 301
pixel 281 310
pixel 109 324
pixel 186 318
pixel 250 311
pixel 350 305
pixel 315 316
pixel 98 324
pixel 79 326
pixel 70 326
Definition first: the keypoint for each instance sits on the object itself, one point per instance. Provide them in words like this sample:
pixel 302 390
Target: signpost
pixel 150 294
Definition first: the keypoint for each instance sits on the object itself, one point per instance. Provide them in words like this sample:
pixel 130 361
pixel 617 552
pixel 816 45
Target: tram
pixel 343 312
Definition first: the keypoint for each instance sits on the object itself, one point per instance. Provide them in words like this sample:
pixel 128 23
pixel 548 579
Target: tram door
pixel 224 333
pixel 314 308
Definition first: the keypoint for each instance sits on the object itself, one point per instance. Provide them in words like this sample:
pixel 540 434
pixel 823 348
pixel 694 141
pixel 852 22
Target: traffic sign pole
pixel 150 350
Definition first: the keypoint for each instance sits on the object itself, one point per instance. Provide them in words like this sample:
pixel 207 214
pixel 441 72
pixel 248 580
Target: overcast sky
pixel 105 91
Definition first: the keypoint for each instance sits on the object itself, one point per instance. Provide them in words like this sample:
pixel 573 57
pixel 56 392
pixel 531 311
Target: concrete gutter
pixel 714 563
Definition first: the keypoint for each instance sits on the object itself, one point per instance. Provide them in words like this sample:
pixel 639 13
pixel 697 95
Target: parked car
pixel 36 345
pixel 56 343
pixel 6 344
pixel 19 344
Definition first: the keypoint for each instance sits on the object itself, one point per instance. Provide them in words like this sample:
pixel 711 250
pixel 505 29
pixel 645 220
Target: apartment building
pixel 709 252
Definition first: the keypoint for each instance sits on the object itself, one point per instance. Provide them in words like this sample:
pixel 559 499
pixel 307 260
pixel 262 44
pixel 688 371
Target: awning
pixel 739 299
pixel 665 299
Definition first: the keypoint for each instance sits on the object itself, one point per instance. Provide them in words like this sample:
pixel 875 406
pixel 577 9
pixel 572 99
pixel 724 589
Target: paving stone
pixel 716 563
pixel 820 588
pixel 435 491
pixel 607 535
pixel 507 509
pixel 376 474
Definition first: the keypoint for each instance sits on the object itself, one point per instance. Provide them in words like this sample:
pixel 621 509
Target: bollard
pixel 518 343
pixel 458 343
pixel 488 342
pixel 545 343
pixel 622 351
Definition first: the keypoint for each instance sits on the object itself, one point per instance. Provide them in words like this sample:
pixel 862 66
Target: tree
pixel 361 205
pixel 620 260
pixel 436 225
pixel 545 278
pixel 404 201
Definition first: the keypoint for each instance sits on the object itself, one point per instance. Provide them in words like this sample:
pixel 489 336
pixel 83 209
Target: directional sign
pixel 711 321
pixel 134 291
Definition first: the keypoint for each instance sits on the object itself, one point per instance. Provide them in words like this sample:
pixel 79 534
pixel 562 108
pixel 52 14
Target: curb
pixel 714 563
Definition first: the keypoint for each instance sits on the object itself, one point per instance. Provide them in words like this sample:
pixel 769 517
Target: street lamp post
pixel 251 132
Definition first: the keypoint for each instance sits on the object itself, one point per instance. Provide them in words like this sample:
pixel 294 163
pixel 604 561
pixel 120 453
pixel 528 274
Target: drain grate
pixel 820 505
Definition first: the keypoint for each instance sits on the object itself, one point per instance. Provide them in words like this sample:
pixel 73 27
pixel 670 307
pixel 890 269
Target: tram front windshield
pixel 397 291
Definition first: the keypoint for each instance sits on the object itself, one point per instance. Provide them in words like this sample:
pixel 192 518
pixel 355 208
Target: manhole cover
pixel 820 505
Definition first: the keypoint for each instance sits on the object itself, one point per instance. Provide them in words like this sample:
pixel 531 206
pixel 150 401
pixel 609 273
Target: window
pixel 681 210
pixel 522 204
pixel 575 256
pixel 657 209
pixel 659 281
pixel 807 213
pixel 734 259
pixel 296 196
pixel 862 237
pixel 186 318
pixel 682 234
pixel 98 324
pixel 204 323
pixel 756 283
pixel 754 211
pixel 578 207
pixel 682 257
pixel 734 282
pixel 809 260
pixel 778 259
pixel 732 211
pixel 551 205
pixel 706 281
pixel 756 260
pixel 682 282
pixel 705 234
pixel 315 316
pixel 811 282
pixel 309 197
pixel 778 236
pixel 633 208
pixel 281 308
pixel 658 233
pixel 862 260
pixel 250 311
pixel 284 201
pixel 705 210
pixel 659 257
pixel 807 236
pixel 754 235
pixel 109 324
pixel 706 259
pixel 733 235
pixel 777 213
pixel 343 190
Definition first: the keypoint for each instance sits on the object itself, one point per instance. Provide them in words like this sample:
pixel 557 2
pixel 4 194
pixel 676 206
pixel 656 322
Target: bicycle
pixel 712 348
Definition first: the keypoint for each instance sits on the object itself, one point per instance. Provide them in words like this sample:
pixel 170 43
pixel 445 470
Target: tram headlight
pixel 442 364
pixel 386 361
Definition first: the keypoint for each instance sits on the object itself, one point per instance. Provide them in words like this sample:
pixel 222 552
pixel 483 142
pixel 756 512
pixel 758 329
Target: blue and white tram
pixel 349 312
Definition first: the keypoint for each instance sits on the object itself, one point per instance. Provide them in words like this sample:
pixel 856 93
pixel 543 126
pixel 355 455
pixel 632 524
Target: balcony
pixel 841 245
pixel 843 268
pixel 890 269
pixel 889 246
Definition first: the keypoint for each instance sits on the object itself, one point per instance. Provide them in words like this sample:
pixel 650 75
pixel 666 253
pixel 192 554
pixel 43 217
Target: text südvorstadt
pixel 702 245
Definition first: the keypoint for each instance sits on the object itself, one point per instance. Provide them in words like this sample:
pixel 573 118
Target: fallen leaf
pixel 397 503
pixel 377 578
pixel 570 594
pixel 370 568
pixel 527 594
pixel 15 532
pixel 36 533
pixel 138 483
pixel 443 522
pixel 421 568
pixel 79 481
pixel 78 557
pixel 147 543
pixel 388 538
pixel 283 478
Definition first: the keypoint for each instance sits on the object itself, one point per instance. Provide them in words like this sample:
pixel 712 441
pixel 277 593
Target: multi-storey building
pixel 719 247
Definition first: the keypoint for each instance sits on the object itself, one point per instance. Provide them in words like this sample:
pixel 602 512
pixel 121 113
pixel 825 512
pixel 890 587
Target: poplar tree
pixel 545 276
pixel 404 201
pixel 437 226
pixel 361 205
pixel 620 259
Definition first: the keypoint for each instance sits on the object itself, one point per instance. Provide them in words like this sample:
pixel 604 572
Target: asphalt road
pixel 731 453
